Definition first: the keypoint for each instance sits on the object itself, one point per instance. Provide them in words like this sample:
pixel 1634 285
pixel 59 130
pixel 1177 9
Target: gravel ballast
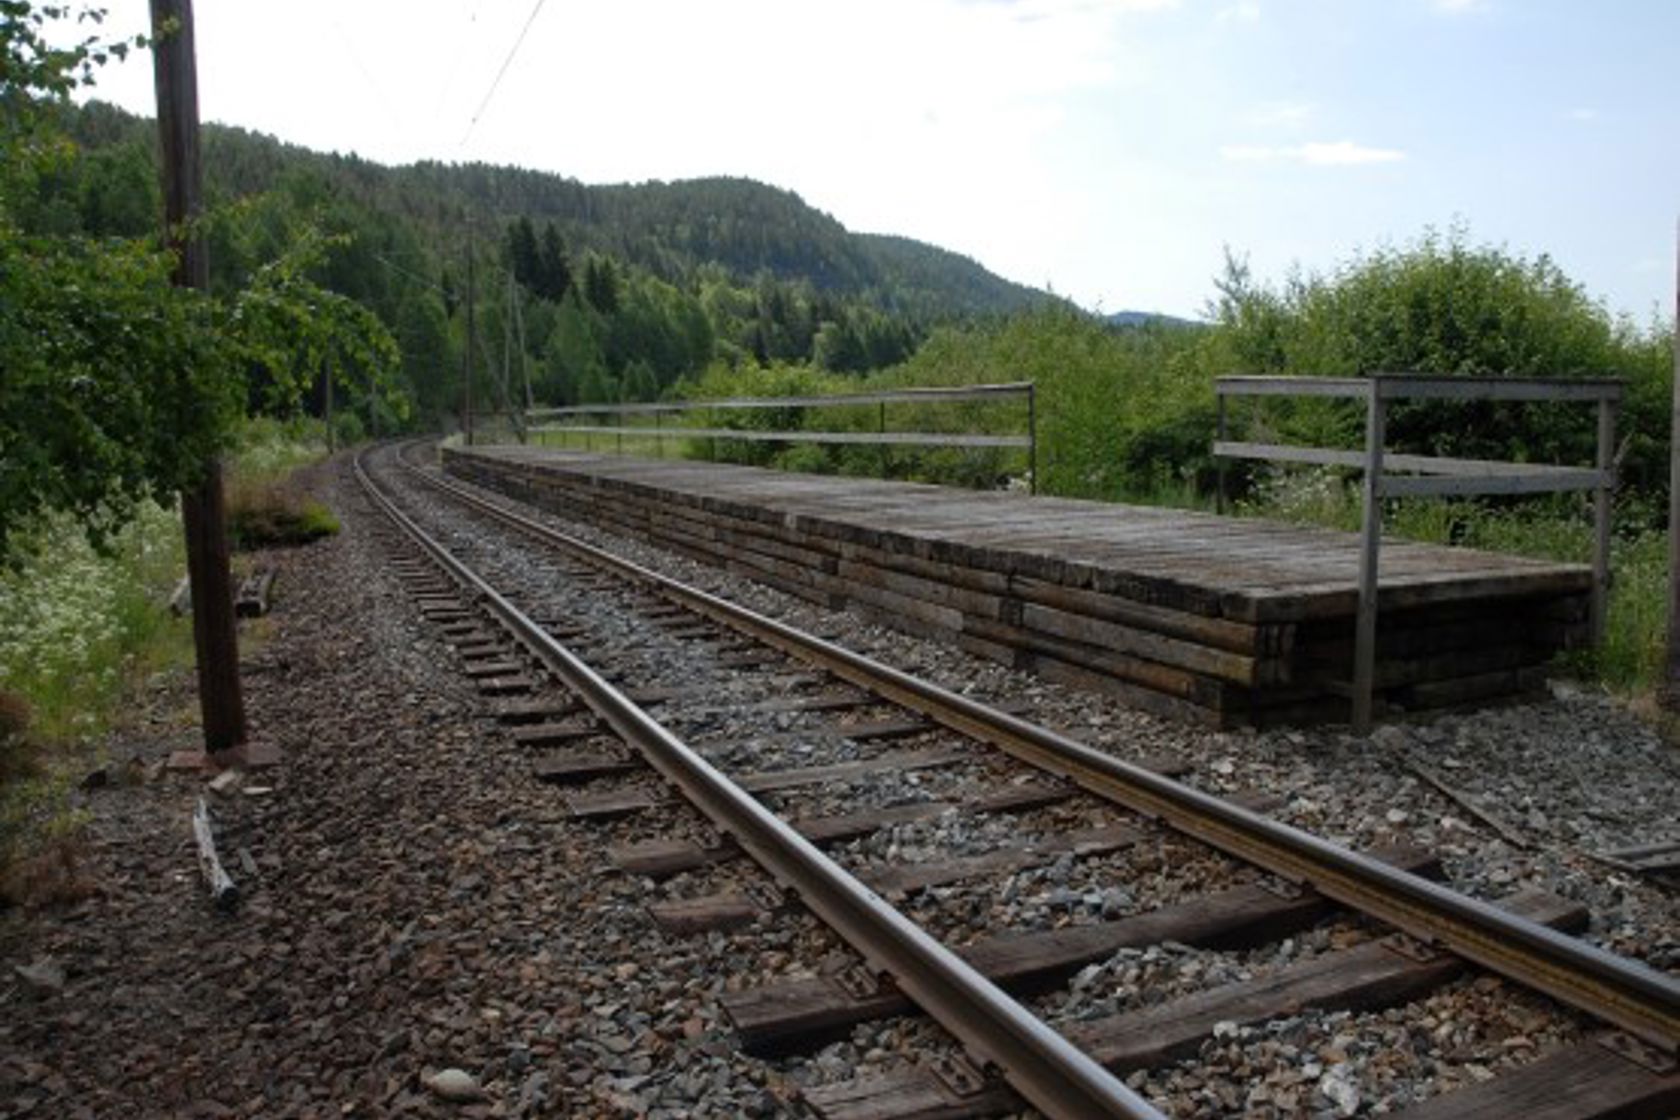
pixel 426 932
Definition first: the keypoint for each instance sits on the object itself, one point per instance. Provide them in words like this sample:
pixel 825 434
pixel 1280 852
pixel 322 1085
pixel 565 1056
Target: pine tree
pixel 600 284
pixel 522 252
pixel 554 275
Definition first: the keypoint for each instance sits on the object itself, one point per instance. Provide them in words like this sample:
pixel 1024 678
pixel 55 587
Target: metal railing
pixel 1430 475
pixel 566 420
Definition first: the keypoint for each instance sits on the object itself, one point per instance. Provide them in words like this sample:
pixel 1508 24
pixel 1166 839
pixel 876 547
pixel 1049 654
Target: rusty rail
pixel 1614 989
pixel 1040 1064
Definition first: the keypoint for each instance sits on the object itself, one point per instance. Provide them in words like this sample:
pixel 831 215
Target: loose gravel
pixel 417 905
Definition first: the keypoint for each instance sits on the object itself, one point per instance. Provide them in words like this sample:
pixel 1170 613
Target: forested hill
pixel 743 227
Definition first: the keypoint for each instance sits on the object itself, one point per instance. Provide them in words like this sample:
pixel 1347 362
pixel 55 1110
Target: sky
pixel 1110 150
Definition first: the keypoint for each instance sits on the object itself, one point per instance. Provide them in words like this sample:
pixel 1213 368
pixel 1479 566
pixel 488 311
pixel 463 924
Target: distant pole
pixel 466 360
pixel 202 513
pixel 1670 694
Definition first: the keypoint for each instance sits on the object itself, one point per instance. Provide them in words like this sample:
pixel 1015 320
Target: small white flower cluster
pixel 1317 495
pixel 60 615
pixel 277 456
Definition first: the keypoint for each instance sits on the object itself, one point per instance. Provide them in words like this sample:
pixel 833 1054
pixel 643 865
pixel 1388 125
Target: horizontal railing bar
pixel 1289 453
pixel 1406 386
pixel 1251 385
pixel 1462 474
pixel 835 400
pixel 907 439
pixel 1463 486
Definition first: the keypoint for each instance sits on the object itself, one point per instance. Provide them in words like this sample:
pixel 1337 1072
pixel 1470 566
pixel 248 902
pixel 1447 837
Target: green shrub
pixel 266 514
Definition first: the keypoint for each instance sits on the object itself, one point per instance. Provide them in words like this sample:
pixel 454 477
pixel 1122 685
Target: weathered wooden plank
pixel 1237 637
pixel 1582 1081
pixel 572 768
pixel 801 1014
pixel 663 858
pixel 918 1095
pixel 1476 689
pixel 884 730
pixel 1235 667
pixel 683 917
pixel 556 734
pixel 1368 976
pixel 1375 974
pixel 506 685
pixel 501 667
pixel 767 781
pixel 537 711
pixel 898 880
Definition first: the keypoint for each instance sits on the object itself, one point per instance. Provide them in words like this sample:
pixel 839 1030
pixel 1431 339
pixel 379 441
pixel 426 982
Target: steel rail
pixel 1615 989
pixel 1047 1070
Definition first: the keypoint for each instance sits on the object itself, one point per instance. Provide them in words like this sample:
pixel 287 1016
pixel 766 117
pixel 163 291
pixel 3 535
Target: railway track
pixel 793 747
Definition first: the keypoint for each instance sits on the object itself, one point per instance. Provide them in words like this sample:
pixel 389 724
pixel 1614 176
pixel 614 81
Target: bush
pixel 1444 306
pixel 265 505
pixel 265 513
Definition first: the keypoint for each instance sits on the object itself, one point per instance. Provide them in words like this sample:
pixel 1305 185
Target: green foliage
pixel 117 387
pixel 672 275
pixel 1121 413
pixel 270 514
pixel 1442 305
pixel 292 331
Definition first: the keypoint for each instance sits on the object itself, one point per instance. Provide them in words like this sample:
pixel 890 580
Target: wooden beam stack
pixel 1023 583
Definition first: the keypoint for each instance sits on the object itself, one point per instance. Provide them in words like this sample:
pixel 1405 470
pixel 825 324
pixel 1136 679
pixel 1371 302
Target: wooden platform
pixel 1221 620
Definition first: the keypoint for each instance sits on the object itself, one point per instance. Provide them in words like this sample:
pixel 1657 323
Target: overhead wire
pixel 506 62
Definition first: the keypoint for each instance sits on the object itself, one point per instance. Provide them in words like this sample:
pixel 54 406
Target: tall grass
pixel 73 622
pixel 79 628
pixel 75 627
pixel 1632 656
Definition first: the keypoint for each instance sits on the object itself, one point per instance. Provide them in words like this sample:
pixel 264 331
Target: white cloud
pixel 1319 153
pixel 1246 11
pixel 1581 114
pixel 1460 7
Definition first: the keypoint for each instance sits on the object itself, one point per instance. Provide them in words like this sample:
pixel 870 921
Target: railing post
pixel 1032 437
pixel 1601 519
pixel 1370 544
pixel 881 430
pixel 1219 434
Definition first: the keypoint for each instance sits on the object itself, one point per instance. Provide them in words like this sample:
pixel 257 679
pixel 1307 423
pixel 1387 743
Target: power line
pixel 506 62
pixel 416 277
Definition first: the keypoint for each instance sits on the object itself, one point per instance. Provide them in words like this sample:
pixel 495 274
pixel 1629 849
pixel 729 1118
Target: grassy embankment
pixel 81 631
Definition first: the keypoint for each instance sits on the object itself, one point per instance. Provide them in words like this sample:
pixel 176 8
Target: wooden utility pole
pixel 202 512
pixel 1670 692
pixel 467 353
